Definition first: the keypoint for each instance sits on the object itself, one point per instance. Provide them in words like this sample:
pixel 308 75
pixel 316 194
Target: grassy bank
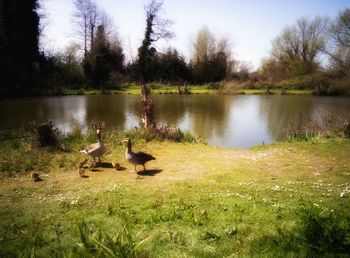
pixel 286 199
pixel 212 88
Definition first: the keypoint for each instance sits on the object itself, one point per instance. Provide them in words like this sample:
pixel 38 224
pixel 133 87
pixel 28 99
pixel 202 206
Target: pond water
pixel 239 121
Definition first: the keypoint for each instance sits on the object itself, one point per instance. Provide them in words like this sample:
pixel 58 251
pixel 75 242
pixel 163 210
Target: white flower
pixel 276 188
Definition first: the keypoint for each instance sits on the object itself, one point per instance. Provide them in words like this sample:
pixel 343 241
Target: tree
pixel 68 65
pixel 211 58
pixel 171 67
pixel 273 70
pixel 86 19
pixel 339 47
pixel 105 57
pixel 298 46
pixel 156 29
pixel 19 51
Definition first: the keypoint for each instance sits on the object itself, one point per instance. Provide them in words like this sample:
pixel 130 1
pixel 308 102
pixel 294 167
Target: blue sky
pixel 249 24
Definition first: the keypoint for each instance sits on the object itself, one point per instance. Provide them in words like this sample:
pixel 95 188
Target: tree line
pixel 316 50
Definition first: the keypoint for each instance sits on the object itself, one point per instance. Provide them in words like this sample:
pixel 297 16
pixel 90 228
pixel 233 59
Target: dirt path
pixel 192 162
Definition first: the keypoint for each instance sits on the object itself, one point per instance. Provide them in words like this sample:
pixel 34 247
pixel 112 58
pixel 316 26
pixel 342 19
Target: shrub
pixel 213 86
pixel 161 132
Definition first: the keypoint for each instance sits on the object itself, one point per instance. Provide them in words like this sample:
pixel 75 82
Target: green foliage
pixel 171 67
pixel 213 86
pixel 105 61
pixel 98 244
pixel 301 136
pixel 298 67
pixel 19 50
pixel 156 28
pixel 325 231
pixel 162 132
pixel 298 83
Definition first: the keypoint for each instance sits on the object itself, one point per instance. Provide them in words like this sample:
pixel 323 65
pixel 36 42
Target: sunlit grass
pixel 204 202
pixel 191 89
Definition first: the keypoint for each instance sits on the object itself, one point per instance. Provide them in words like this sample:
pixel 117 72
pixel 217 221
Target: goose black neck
pixel 129 145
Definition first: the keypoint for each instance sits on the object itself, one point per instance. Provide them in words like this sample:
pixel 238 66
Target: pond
pixel 239 121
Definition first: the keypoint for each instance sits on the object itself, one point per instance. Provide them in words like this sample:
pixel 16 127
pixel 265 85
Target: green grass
pixel 274 91
pixel 198 201
pixel 191 89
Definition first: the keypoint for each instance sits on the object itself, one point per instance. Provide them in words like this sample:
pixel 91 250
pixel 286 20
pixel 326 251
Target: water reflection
pixel 231 121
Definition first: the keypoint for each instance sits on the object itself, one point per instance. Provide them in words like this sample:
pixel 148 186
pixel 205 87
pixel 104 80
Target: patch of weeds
pixel 325 231
pixel 98 244
pixel 213 86
pixel 25 240
pixel 210 236
pixel 231 231
pixel 317 232
pixel 301 136
pixel 161 132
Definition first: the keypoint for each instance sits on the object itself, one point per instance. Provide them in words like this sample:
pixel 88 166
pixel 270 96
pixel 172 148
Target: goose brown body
pixel 136 158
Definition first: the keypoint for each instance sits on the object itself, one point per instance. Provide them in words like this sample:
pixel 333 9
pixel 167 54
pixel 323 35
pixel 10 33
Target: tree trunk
pixel 85 38
pixel 147 117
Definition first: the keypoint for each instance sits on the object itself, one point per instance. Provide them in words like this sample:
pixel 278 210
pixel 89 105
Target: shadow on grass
pixel 151 172
pixel 104 165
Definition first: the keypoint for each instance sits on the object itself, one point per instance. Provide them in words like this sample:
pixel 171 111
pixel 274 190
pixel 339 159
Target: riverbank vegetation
pixel 311 55
pixel 289 198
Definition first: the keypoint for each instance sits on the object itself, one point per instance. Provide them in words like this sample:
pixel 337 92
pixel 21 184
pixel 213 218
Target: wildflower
pixel 276 188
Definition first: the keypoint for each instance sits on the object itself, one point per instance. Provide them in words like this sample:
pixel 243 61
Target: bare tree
pixel 107 22
pixel 86 18
pixel 340 29
pixel 339 47
pixel 204 46
pixel 301 43
pixel 211 59
pixel 93 22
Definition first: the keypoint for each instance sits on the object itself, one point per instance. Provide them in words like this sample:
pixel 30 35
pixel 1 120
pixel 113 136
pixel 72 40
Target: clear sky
pixel 249 24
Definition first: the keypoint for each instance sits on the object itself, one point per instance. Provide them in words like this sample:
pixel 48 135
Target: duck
pixel 136 158
pixel 96 150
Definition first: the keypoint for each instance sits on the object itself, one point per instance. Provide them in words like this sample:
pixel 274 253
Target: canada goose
pixel 136 158
pixel 96 149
